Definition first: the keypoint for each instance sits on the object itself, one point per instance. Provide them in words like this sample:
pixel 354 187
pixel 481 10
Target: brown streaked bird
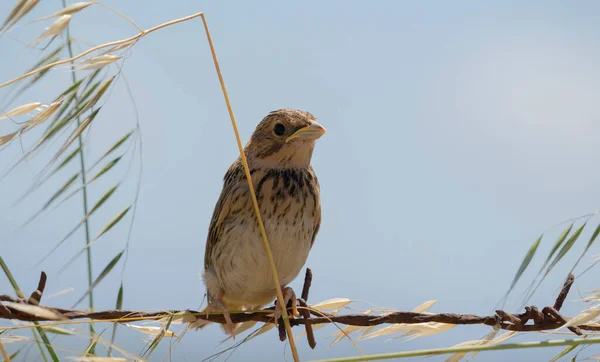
pixel 237 273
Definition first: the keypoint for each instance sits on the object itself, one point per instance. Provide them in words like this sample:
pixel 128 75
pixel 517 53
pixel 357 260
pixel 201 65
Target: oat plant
pixel 61 125
pixel 67 118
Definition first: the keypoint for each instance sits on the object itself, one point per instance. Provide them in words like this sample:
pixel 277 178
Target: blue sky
pixel 458 132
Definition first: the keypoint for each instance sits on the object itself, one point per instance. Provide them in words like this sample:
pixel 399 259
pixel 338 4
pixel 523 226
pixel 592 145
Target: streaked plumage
pixel 237 274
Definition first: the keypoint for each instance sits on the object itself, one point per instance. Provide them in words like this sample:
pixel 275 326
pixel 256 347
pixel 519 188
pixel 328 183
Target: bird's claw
pixel 288 295
pixel 217 306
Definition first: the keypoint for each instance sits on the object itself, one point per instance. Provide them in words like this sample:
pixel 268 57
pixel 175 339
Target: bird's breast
pixel 290 208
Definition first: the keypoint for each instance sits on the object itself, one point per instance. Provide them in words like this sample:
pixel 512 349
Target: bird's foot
pixel 288 295
pixel 216 306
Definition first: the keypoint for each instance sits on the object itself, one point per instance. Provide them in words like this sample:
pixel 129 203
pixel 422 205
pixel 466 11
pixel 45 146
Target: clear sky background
pixel 458 132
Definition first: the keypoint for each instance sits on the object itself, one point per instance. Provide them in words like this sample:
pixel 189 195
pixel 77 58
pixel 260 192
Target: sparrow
pixel 237 273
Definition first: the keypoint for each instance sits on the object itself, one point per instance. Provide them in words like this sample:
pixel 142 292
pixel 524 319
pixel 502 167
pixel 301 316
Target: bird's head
pixel 284 139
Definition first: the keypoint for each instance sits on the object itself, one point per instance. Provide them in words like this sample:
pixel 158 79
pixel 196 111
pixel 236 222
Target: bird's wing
pixel 223 208
pixel 316 191
pixel 316 228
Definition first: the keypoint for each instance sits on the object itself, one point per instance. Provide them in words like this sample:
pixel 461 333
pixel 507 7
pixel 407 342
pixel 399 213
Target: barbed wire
pixel 548 318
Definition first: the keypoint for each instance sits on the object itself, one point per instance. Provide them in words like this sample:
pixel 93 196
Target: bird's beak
pixel 311 132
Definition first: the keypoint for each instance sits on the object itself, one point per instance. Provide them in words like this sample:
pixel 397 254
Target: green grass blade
pixel 50 58
pixel 102 275
pixel 39 344
pixel 563 353
pixel 13 14
pixel 78 131
pixel 67 159
pixel 57 330
pixel 487 347
pixel 60 191
pixel 96 206
pixel 13 356
pixel 47 59
pixel 82 107
pixel 557 245
pixel 113 222
pixel 113 148
pixel 11 279
pixel 588 246
pixel 59 113
pixel 72 89
pixel 39 330
pixel 157 339
pixel 88 245
pixel 525 262
pixel 52 198
pixel 103 199
pixel 73 193
pixel 117 144
pixel 91 348
pixel 97 96
pixel 89 91
pixel 21 9
pixel 105 169
pixel 568 245
pixel 91 77
pixel 118 306
pixel 593 238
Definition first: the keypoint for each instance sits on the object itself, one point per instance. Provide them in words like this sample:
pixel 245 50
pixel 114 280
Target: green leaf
pixel 11 279
pixel 89 91
pixel 72 89
pixel 158 338
pixel 52 198
pixel 91 78
pixel 57 330
pixel 102 199
pixel 60 191
pixel 86 217
pixel 47 59
pixel 12 16
pixel 66 160
pixel 102 89
pixel 102 275
pixel 117 144
pixel 566 247
pixel 78 131
pixel 526 261
pixel 50 58
pixel 91 348
pixel 118 306
pixel 105 169
pixel 20 294
pixel 587 247
pixel 81 108
pixel 593 238
pixel 473 348
pixel 563 353
pixel 113 222
pixel 13 356
pixel 63 108
pixel 113 148
pixel 22 8
pixel 557 245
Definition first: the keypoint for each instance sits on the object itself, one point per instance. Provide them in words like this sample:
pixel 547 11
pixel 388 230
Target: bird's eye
pixel 279 129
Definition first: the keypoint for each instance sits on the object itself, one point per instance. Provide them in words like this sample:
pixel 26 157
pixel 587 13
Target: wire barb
pixel 547 319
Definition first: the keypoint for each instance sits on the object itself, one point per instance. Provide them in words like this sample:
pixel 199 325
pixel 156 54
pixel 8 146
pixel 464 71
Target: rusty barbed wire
pixel 547 319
